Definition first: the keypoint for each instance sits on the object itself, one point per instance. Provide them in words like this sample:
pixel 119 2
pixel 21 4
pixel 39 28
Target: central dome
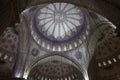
pixel 58 23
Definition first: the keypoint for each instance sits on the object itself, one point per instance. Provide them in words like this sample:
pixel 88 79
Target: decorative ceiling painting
pixel 60 26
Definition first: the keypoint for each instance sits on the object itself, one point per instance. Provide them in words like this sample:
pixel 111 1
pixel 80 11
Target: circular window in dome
pixel 58 23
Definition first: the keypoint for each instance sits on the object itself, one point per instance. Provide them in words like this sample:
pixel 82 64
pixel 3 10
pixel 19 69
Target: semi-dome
pixel 55 70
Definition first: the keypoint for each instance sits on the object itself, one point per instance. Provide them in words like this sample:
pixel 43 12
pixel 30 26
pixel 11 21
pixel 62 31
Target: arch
pixel 52 64
pixel 48 56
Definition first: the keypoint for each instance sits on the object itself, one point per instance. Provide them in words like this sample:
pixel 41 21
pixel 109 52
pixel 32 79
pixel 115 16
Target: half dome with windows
pixel 55 70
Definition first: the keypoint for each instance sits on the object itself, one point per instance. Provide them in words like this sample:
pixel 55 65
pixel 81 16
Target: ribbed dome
pixel 59 26
pixel 55 70
pixel 59 20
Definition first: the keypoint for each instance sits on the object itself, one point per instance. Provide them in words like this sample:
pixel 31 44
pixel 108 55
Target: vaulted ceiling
pixel 10 10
